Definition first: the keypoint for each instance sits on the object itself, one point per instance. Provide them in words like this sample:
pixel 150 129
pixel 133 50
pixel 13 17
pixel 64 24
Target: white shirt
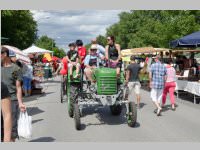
pixel 100 49
pixel 28 71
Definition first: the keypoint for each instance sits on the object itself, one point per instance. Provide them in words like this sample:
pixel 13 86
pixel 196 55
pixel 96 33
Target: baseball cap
pixel 93 47
pixel 12 54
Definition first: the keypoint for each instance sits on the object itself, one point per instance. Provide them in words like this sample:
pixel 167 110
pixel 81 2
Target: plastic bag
pixel 24 125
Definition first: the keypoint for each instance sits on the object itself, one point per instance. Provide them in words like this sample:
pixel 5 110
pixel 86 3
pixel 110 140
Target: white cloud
pixel 74 24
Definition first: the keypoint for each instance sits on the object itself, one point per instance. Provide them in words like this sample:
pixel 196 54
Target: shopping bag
pixel 24 125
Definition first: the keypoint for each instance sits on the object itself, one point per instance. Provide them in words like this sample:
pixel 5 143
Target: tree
pixel 153 27
pixel 19 26
pixel 101 40
pixel 49 44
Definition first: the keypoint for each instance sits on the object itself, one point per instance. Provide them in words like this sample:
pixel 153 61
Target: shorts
pixel 133 87
pixel 156 95
pixel 15 114
pixel 27 83
pixel 4 91
pixel 77 65
pixel 114 65
pixel 88 69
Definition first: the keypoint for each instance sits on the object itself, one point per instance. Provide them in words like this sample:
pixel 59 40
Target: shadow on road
pixel 34 110
pixel 188 97
pixel 105 117
pixel 34 121
pixel 36 96
pixel 43 139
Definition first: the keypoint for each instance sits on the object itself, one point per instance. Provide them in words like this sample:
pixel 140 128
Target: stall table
pixel 188 86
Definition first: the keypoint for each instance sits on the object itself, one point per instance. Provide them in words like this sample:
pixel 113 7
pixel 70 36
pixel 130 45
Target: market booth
pixel 188 77
pixel 40 70
pixel 143 56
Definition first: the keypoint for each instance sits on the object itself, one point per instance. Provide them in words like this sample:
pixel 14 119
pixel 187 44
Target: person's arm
pixel 150 77
pixel 19 96
pixel 119 52
pixel 101 49
pixel 86 62
pixel 7 118
pixel 127 76
pixel 106 52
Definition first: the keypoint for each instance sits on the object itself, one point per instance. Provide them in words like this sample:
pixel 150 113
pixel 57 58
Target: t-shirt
pixel 28 71
pixel 171 74
pixel 9 75
pixel 82 52
pixel 134 69
pixel 158 72
pixel 73 55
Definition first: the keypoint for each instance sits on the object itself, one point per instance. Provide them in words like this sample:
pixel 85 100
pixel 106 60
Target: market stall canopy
pixel 191 40
pixel 142 50
pixel 19 54
pixel 35 49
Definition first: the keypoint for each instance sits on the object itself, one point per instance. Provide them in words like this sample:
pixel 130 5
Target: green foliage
pixel 19 26
pixel 49 44
pixel 101 40
pixel 153 27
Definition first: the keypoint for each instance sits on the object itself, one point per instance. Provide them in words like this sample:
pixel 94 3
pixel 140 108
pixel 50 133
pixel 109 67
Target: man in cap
pixel 92 61
pixel 12 77
pixel 157 77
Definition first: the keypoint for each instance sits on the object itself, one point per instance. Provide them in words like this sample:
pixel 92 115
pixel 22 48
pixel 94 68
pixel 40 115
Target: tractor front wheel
pixel 132 114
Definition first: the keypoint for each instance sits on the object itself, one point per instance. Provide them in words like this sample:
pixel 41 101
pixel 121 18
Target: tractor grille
pixel 107 85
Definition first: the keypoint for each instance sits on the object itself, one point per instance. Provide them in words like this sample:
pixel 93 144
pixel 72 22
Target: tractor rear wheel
pixel 116 109
pixel 132 114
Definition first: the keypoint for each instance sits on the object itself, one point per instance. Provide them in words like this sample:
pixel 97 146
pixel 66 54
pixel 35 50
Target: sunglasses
pixel 108 39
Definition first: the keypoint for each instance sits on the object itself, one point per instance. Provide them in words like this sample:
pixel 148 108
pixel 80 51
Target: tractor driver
pixel 91 62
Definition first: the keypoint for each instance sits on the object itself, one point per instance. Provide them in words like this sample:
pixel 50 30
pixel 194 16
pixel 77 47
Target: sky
pixel 68 26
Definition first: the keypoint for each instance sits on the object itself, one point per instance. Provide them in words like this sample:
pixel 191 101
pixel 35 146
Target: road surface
pixel 51 122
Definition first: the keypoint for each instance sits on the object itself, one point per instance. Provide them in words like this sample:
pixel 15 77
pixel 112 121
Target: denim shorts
pixel 26 83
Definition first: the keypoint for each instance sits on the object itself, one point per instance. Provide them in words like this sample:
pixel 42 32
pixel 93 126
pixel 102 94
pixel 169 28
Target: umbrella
pixel 54 58
pixel 191 40
pixel 19 54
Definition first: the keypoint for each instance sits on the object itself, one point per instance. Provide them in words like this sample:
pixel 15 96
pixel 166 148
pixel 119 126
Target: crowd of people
pixel 161 76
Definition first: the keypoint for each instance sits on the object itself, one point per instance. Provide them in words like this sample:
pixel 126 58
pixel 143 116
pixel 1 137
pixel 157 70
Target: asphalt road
pixel 51 122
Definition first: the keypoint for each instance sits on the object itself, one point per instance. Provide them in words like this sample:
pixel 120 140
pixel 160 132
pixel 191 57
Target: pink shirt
pixel 171 74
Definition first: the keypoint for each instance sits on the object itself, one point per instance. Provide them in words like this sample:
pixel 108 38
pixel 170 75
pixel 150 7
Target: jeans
pixel 27 83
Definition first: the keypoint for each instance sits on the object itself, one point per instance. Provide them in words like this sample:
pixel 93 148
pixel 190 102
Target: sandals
pixel 173 108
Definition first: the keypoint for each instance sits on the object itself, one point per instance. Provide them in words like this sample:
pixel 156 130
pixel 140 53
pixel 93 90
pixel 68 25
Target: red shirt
pixel 82 52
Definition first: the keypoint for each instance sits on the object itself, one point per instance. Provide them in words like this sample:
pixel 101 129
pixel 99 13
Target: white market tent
pixel 35 49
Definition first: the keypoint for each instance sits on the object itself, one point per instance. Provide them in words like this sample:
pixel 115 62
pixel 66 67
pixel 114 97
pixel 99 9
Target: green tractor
pixel 108 91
